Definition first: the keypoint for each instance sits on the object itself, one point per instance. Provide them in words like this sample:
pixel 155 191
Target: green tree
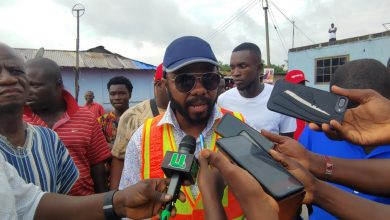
pixel 279 69
pixel 224 67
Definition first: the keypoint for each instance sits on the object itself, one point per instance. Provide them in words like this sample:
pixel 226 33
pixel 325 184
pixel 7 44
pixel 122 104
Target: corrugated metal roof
pixel 87 59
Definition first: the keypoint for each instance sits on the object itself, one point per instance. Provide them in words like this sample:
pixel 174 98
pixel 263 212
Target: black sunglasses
pixel 185 82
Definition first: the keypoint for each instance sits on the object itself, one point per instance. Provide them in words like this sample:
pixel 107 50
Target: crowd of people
pixel 60 160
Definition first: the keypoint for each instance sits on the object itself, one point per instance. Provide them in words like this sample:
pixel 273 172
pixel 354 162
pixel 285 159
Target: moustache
pixel 200 100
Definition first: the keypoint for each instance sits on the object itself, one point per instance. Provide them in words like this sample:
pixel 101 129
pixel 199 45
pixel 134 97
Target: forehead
pixel 9 57
pixel 38 74
pixel 243 56
pixel 118 87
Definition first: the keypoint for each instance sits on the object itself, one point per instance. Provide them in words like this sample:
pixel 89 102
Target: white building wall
pixel 305 60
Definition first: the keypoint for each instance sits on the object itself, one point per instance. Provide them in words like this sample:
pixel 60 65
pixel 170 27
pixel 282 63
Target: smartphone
pixel 230 126
pixel 306 103
pixel 272 176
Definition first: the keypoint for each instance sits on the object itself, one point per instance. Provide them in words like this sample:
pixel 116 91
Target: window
pixel 325 67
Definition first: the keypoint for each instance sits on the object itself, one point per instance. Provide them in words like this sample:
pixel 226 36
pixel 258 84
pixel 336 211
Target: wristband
pixel 328 167
pixel 108 208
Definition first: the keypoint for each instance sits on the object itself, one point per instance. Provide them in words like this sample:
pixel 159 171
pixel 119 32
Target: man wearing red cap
pixel 297 77
pixel 131 120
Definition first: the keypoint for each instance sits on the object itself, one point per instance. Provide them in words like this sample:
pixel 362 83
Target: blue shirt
pixel 43 160
pixel 319 143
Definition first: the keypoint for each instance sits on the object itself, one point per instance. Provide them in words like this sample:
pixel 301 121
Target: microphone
pixel 179 166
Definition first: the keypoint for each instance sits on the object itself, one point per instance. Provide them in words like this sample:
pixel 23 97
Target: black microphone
pixel 179 166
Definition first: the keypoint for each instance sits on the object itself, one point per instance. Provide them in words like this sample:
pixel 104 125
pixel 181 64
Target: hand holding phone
pixel 306 103
pixel 273 177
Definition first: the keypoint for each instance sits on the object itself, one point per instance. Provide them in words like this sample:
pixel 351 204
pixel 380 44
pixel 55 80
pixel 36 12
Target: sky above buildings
pixel 141 29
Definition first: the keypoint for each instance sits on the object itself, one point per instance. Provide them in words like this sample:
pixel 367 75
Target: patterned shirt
pixel 109 123
pixel 129 122
pixel 95 108
pixel 43 160
pixel 82 136
pixel 18 200
pixel 132 166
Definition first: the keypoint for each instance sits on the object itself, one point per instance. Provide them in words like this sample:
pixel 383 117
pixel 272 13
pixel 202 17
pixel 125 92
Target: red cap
pixel 295 76
pixel 159 73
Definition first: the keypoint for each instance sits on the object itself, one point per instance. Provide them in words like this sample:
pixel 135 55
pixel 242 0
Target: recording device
pixel 179 166
pixel 306 103
pixel 230 126
pixel 272 176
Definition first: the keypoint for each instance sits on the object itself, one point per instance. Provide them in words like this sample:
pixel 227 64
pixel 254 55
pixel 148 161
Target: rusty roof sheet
pixel 87 59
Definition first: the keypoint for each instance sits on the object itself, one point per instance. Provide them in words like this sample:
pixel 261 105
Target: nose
pixel 198 87
pixel 116 96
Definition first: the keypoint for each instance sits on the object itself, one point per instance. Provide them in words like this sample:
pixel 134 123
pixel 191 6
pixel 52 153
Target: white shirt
pixel 18 200
pixel 131 173
pixel 332 34
pixel 255 110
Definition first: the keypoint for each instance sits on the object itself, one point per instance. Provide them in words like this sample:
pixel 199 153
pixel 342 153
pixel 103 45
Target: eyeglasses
pixel 185 82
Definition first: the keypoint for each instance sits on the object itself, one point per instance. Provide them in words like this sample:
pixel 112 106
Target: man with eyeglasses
pixel 191 79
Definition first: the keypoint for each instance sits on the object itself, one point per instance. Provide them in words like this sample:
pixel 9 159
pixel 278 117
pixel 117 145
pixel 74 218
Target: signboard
pixel 268 75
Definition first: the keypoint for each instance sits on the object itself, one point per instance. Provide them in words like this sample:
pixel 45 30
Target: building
pixel 97 66
pixel 320 61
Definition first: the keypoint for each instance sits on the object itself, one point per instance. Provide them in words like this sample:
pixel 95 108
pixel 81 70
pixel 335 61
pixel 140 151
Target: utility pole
pixel 293 23
pixel 265 7
pixel 77 11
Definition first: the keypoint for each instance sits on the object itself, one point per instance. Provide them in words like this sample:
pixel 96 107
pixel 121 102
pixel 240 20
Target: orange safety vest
pixel 156 140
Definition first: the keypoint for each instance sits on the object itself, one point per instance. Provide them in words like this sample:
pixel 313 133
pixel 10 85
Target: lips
pixel 199 108
pixel 11 91
pixel 237 81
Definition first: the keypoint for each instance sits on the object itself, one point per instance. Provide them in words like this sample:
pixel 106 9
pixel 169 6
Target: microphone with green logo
pixel 179 166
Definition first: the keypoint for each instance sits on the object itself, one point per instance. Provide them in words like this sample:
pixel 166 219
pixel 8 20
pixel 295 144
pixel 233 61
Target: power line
pixel 240 12
pixel 277 31
pixel 233 18
pixel 235 14
pixel 293 23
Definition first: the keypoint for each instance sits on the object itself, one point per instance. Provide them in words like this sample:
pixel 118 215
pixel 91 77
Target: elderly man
pixel 27 201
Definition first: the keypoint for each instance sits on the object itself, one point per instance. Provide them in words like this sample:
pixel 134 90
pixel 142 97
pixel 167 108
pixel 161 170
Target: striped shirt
pixel 95 108
pixel 43 160
pixel 83 137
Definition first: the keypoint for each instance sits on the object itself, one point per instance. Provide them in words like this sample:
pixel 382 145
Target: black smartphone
pixel 230 126
pixel 306 103
pixel 274 178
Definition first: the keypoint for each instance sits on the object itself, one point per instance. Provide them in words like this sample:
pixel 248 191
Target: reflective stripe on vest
pixel 156 140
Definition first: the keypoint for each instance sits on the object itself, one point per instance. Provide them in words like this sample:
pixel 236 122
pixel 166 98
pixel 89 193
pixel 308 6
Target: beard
pixel 12 108
pixel 183 110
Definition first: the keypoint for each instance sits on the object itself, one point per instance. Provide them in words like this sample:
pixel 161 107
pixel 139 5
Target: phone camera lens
pixel 342 102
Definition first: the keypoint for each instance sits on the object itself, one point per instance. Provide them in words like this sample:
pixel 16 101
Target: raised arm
pixel 338 202
pixel 139 201
pixel 362 175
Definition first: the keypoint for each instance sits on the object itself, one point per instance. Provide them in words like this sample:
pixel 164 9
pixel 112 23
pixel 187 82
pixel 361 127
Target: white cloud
pixel 142 29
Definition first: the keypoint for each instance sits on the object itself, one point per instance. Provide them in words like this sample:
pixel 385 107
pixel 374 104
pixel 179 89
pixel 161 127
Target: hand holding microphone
pixel 179 167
